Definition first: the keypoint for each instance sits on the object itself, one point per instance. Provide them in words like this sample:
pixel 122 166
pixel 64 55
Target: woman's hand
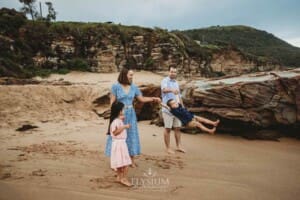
pixel 156 99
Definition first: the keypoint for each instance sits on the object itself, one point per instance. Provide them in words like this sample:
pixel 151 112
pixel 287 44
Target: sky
pixel 279 17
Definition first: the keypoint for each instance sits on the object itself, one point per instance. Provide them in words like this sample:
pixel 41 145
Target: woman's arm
pixel 148 99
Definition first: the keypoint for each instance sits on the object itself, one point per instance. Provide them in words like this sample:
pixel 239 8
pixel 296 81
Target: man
pixel 170 90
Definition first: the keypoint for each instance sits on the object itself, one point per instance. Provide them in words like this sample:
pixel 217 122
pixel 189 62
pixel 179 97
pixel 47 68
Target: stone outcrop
pixel 248 103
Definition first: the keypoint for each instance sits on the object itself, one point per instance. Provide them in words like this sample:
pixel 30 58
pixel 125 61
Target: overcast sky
pixel 280 17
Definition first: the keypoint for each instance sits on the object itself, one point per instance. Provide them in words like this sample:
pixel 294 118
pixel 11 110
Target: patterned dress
pixel 133 141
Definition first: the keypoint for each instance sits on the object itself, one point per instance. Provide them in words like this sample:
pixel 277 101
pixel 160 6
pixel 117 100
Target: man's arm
pixel 165 89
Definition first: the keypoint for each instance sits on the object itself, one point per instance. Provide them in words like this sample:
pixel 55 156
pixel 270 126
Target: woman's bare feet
pixel 125 182
pixel 134 165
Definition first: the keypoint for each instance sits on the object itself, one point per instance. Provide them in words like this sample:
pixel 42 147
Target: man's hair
pixel 123 79
pixel 169 102
pixel 172 66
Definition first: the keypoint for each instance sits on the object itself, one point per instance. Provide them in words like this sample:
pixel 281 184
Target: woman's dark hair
pixel 123 79
pixel 115 110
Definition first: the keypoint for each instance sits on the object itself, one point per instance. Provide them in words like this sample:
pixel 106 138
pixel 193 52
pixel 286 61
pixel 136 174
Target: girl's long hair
pixel 115 110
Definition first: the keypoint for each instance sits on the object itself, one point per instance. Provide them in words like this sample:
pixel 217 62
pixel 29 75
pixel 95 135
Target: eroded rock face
pixel 149 52
pixel 255 101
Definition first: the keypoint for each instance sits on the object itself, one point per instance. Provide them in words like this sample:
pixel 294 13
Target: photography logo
pixel 150 181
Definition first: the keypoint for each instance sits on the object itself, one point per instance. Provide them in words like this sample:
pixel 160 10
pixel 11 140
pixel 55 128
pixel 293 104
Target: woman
pixel 125 91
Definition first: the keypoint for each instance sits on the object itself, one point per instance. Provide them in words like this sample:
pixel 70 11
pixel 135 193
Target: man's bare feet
pixel 125 182
pixel 170 151
pixel 180 149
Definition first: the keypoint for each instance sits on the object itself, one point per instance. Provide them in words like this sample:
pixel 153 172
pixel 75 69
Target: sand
pixel 64 157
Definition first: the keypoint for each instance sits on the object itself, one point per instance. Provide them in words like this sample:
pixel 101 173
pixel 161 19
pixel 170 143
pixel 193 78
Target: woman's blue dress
pixel 133 141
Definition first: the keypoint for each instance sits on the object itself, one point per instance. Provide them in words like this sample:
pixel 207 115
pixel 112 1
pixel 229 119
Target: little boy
pixel 189 119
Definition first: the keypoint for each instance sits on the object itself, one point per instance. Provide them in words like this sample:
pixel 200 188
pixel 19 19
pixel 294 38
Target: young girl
pixel 119 158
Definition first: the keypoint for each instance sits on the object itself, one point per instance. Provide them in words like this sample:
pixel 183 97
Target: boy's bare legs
pixel 167 140
pixel 202 127
pixel 178 140
pixel 206 121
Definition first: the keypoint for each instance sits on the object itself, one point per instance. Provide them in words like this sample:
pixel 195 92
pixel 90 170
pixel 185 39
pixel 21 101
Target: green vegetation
pixel 38 47
pixel 263 45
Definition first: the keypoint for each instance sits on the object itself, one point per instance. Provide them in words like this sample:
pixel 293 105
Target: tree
pixel 51 12
pixel 29 8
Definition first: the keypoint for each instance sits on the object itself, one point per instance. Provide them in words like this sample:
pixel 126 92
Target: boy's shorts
pixel 170 120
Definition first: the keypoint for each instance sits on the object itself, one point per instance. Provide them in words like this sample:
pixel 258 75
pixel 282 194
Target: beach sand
pixel 63 158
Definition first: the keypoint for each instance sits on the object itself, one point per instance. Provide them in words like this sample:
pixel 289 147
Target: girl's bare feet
pixel 125 182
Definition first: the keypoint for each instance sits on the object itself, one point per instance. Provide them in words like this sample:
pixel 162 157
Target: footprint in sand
pixel 165 162
pixel 103 183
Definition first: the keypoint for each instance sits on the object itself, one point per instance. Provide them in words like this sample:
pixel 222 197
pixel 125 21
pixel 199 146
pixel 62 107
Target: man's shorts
pixel 170 120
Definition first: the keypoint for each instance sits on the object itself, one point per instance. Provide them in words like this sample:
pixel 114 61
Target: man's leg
pixel 168 123
pixel 167 140
pixel 178 140
pixel 177 124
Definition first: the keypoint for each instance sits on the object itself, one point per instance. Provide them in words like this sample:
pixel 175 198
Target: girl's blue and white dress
pixel 133 141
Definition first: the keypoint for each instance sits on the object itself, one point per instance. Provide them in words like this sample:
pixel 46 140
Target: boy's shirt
pixel 182 114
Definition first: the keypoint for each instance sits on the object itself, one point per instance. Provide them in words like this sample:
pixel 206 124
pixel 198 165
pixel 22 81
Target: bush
pixel 77 64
